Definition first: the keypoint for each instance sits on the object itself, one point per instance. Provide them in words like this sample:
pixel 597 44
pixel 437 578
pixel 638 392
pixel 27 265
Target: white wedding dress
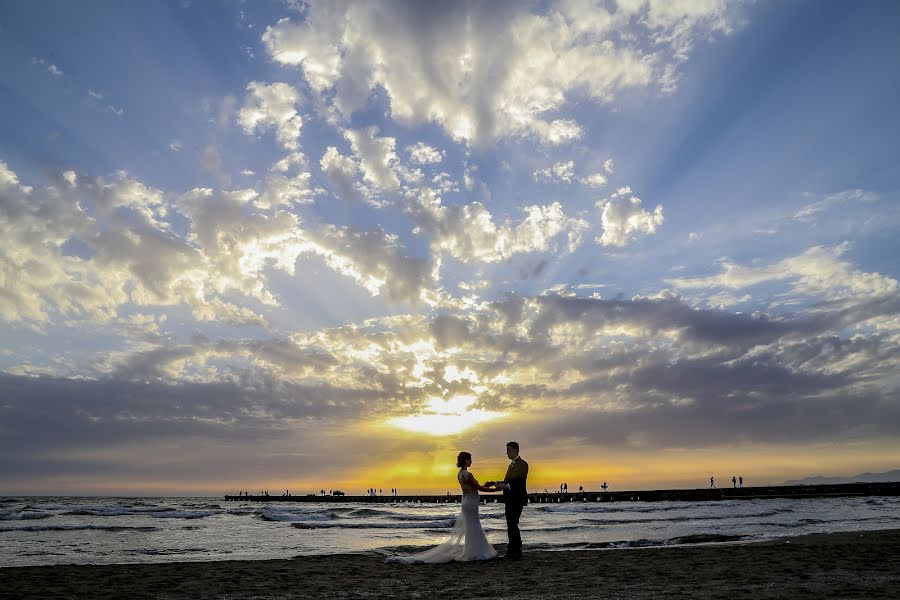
pixel 467 540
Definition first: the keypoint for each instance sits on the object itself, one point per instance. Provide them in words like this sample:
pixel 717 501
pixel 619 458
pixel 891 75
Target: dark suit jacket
pixel 516 477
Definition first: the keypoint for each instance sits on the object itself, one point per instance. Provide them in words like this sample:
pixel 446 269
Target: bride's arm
pixel 481 488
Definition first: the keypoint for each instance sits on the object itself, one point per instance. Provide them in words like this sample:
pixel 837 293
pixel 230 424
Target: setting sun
pixel 446 417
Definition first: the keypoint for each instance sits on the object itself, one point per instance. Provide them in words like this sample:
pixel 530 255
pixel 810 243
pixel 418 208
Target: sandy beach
pixel 839 565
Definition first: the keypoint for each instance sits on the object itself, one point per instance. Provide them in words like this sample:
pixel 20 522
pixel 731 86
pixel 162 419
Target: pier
pixel 683 495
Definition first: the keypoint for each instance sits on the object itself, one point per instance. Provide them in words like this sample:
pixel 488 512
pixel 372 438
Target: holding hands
pixel 498 486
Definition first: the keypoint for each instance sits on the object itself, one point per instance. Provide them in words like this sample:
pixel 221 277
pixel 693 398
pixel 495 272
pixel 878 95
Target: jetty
pixel 683 495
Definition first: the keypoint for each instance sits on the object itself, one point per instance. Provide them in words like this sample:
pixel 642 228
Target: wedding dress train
pixel 467 540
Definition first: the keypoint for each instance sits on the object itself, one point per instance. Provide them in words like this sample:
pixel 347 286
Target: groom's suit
pixel 515 499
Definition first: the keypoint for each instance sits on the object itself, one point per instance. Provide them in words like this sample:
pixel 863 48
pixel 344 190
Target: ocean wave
pixel 619 506
pixel 117 511
pixel 367 512
pixel 78 528
pixel 24 516
pixel 342 525
pixel 293 517
pixel 681 519
pixel 426 518
pixel 685 540
pixel 242 511
pixel 131 511
pixel 184 514
pixel 171 551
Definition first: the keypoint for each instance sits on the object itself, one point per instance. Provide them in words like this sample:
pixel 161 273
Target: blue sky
pixel 612 230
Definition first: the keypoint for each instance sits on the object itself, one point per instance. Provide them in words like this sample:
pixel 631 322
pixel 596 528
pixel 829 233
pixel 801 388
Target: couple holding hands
pixel 467 540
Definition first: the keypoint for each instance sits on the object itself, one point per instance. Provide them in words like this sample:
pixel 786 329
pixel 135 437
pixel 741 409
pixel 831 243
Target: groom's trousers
pixel 513 513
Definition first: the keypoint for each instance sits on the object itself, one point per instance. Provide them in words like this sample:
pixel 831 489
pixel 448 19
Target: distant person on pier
pixel 741 480
pixel 734 482
pixel 712 482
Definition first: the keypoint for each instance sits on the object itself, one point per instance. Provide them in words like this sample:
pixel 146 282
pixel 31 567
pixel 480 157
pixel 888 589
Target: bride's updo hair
pixel 461 459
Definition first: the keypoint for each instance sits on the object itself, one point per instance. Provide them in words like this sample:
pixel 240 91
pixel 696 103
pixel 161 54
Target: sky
pixel 272 246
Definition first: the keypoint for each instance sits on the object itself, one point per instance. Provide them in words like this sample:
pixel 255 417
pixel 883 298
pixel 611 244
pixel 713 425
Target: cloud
pixel 848 197
pixel 272 105
pixel 644 374
pixel 423 154
pixel 375 261
pixel 35 275
pixel 341 171
pixel 469 233
pixel 130 254
pixel 623 219
pixel 596 180
pixel 175 145
pixel 490 71
pixel 559 172
pixel 817 271
pixel 283 190
pixel 377 158
pixel 55 71
pixel 211 159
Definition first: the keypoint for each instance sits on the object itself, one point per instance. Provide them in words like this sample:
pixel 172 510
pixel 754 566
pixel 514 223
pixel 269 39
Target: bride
pixel 467 540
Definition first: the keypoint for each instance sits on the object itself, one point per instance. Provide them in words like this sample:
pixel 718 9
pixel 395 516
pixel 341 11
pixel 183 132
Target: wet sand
pixel 839 565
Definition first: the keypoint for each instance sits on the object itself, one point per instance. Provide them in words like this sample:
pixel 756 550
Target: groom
pixel 515 497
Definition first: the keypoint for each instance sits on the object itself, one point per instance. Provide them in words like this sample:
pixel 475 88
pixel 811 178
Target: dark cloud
pixel 644 373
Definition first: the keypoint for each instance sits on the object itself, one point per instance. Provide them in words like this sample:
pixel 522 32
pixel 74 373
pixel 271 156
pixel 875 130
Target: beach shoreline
pixel 861 564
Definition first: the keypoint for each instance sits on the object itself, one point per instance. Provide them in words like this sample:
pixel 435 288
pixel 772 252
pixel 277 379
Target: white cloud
pixel 597 180
pixel 51 68
pixel 377 158
pixel 816 271
pixel 341 172
pixel 423 154
pixel 623 219
pixel 469 233
pixel 283 190
pixel 175 145
pixel 375 261
pixel 211 159
pixel 272 105
pixel 490 71
pixel 247 173
pixel 847 197
pixel 608 165
pixel 561 171
pixel 119 112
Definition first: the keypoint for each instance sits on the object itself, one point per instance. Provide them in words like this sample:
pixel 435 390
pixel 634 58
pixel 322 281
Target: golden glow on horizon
pixel 446 417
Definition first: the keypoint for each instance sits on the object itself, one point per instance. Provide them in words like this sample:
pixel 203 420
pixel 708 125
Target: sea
pixel 103 530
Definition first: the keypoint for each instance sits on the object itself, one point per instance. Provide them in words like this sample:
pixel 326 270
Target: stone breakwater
pixel 683 495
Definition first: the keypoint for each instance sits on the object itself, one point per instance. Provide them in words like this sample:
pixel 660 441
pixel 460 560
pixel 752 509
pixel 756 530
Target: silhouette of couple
pixel 467 540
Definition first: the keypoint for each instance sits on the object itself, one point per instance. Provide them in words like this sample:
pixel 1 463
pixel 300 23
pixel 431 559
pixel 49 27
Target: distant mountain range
pixel 861 478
